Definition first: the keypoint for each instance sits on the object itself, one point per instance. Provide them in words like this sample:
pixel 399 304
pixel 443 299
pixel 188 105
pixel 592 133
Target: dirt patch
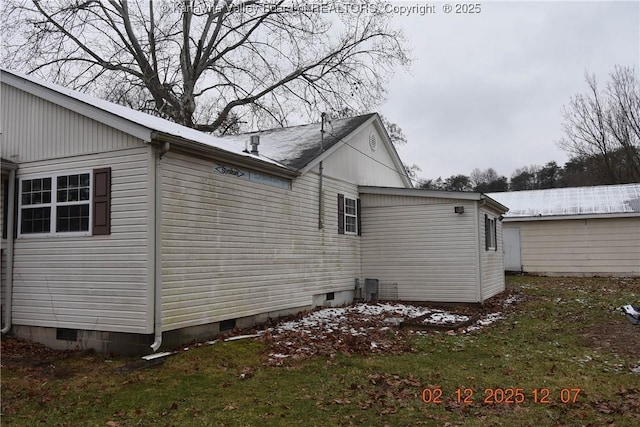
pixel 374 328
pixel 618 336
pixel 33 358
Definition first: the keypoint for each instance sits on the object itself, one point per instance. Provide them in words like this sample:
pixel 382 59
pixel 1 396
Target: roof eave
pixel 568 217
pixel 494 203
pixel 227 156
pixel 8 165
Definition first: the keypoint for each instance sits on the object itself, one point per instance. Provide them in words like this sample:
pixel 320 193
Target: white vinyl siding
pixel 491 260
pixel 90 282
pixel 356 162
pixel 233 248
pixel 36 129
pixel 582 247
pixel 422 245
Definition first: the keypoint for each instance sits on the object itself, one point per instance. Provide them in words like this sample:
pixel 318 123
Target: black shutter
pixel 487 232
pixel 340 213
pixel 495 234
pixel 359 220
pixel 5 207
pixel 102 201
pixel 16 199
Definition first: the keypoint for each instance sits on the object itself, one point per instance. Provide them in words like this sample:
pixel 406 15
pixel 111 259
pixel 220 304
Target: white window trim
pixel 492 234
pixel 355 203
pixel 54 204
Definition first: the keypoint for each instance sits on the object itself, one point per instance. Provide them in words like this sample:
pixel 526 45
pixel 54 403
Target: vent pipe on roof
pixel 255 141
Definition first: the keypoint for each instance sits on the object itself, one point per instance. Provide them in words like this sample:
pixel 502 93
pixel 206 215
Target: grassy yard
pixel 564 355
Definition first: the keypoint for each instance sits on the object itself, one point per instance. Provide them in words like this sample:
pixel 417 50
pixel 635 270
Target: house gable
pixel 353 149
pixel 365 157
pixel 35 128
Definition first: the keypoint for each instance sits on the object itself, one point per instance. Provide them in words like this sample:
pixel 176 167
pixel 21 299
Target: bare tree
pixel 605 125
pixel 209 64
pixel 525 178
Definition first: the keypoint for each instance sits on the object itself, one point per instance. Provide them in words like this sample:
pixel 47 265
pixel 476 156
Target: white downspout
pixel 157 195
pixel 321 175
pixel 480 247
pixel 10 241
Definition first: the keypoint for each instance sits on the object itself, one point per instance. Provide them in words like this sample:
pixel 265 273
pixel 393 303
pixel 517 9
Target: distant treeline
pixel 578 172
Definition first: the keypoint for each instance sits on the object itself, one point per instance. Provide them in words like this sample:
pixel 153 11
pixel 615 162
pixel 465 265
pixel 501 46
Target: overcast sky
pixel 487 89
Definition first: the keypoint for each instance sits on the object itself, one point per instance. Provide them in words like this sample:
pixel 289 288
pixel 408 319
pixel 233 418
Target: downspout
pixel 157 196
pixel 10 242
pixel 479 294
pixel 321 167
pixel 320 199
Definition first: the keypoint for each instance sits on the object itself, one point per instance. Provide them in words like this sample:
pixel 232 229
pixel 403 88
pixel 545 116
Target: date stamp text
pixel 508 395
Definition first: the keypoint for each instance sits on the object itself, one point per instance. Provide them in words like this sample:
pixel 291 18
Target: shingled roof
pixel 297 146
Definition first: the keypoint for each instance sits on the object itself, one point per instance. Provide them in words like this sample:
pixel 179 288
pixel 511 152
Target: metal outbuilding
pixel 578 231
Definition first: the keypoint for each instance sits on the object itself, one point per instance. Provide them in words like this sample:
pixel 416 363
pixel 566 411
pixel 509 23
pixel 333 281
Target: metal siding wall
pixel 492 261
pixel 36 129
pixel 608 246
pixel 93 283
pixel 234 248
pixel 425 247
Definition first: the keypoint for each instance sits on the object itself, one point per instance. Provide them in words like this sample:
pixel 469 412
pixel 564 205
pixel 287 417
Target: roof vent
pixel 255 141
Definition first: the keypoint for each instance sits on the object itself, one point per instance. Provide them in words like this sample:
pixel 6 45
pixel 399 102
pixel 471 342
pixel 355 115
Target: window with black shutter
pixel 65 204
pixel 490 234
pixel 348 215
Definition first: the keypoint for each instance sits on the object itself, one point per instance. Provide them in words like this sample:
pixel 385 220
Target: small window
pixel 350 216
pixel 55 204
pixel 490 233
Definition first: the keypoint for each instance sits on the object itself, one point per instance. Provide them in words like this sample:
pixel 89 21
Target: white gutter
pixel 574 216
pixel 157 193
pixel 10 243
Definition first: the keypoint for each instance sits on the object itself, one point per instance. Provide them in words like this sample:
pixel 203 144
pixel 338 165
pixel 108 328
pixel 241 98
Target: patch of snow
pixel 278 356
pixel 157 355
pixel 392 321
pixel 512 299
pixel 442 317
pixel 241 337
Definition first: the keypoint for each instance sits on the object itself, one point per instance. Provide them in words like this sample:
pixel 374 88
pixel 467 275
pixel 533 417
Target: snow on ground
pixel 362 328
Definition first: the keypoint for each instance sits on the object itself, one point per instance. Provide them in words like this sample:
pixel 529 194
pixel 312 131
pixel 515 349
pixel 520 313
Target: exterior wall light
pixel 459 209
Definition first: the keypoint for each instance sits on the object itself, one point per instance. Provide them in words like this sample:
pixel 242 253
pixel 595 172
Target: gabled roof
pixel 297 146
pixel 598 201
pixel 303 147
pixel 136 123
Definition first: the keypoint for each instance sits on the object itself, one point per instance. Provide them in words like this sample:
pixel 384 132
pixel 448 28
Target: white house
pixel 126 231
pixel 582 231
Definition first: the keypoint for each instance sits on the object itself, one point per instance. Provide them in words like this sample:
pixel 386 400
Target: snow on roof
pixel 598 200
pixel 297 146
pixel 148 121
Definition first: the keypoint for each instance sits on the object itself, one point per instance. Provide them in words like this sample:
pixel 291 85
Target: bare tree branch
pixel 604 125
pixel 204 64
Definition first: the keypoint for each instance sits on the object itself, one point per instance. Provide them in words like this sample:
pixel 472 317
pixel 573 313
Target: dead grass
pixel 567 334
